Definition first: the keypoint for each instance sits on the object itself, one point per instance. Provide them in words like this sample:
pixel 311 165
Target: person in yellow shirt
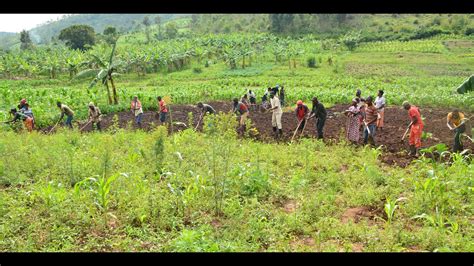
pixel 457 119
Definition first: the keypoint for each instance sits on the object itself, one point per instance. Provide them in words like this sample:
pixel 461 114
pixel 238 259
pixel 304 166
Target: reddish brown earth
pixel 396 120
pixel 358 213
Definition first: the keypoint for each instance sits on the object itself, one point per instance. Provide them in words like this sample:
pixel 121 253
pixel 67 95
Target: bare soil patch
pixel 358 213
pixel 396 121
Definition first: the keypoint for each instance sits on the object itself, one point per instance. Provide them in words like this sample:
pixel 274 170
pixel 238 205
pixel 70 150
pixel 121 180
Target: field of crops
pixel 132 190
pixel 426 79
pixel 136 191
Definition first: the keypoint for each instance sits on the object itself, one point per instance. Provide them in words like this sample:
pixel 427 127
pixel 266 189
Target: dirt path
pixel 396 120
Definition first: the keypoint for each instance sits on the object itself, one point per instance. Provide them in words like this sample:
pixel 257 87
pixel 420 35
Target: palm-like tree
pixel 104 73
pixel 73 62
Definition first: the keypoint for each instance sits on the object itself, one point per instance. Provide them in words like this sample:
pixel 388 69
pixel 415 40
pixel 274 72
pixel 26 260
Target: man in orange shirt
pixel 416 127
pixel 163 111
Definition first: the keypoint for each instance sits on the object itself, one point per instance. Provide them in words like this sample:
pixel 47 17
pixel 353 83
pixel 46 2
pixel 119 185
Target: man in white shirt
pixel 276 115
pixel 380 105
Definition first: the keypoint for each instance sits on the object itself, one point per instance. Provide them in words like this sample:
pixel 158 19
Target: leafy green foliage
pixel 78 36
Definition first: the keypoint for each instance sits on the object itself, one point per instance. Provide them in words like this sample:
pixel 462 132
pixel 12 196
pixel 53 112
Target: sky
pixel 19 22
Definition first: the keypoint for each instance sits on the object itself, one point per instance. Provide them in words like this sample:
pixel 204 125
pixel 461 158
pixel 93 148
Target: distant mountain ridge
pixel 123 23
pixel 4 33
pixel 42 34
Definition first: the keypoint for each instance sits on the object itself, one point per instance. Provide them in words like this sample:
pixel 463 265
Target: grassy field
pixel 125 190
pixel 136 191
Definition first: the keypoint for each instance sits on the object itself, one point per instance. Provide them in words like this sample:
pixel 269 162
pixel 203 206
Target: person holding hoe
pixel 205 109
pixel 457 119
pixel 242 110
pixel 66 110
pixel 371 116
pixel 163 111
pixel 95 116
pixel 136 108
pixel 301 111
pixel 276 115
pixel 27 121
pixel 415 127
pixel 320 113
pixel 26 110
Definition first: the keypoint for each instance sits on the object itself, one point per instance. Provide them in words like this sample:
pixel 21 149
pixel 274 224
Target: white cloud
pixel 19 22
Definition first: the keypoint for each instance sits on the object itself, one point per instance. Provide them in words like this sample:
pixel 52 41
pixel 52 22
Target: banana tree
pixel 230 56
pixel 8 65
pixel 278 51
pixel 105 73
pixel 293 51
pixel 246 51
pixel 52 66
pixel 73 62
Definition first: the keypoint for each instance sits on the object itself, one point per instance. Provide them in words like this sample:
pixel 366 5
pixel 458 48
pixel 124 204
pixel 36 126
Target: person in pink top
pixel 353 122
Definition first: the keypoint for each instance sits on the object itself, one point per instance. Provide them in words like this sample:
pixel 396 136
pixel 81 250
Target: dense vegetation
pixel 219 67
pixel 127 190
pixel 43 34
pixel 133 191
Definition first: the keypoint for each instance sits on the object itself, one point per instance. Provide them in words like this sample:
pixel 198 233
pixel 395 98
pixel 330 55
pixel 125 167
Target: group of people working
pixel 363 114
pixel 137 110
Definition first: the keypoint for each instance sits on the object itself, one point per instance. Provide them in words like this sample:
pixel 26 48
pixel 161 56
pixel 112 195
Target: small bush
pixel 426 33
pixel 436 21
pixel 197 70
pixel 351 40
pixel 469 31
pixel 311 62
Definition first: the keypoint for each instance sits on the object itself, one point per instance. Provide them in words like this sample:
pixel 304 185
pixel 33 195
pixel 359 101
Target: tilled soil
pixel 396 121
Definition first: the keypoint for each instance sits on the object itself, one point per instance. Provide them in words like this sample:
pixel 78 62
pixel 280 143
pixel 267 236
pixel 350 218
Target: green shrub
pixel 311 62
pixel 351 40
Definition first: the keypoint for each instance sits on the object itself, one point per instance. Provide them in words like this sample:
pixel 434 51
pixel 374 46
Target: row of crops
pixel 330 89
pixel 423 46
pixel 234 50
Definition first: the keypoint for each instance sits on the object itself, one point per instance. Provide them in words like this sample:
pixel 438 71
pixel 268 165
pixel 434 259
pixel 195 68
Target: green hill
pixel 123 22
pixel 373 27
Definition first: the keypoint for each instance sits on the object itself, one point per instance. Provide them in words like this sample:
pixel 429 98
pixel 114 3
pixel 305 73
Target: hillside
pixel 124 23
pixel 8 39
pixel 373 27
pixel 383 26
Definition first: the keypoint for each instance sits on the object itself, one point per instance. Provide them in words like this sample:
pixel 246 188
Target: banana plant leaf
pixel 87 73
pixel 466 86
